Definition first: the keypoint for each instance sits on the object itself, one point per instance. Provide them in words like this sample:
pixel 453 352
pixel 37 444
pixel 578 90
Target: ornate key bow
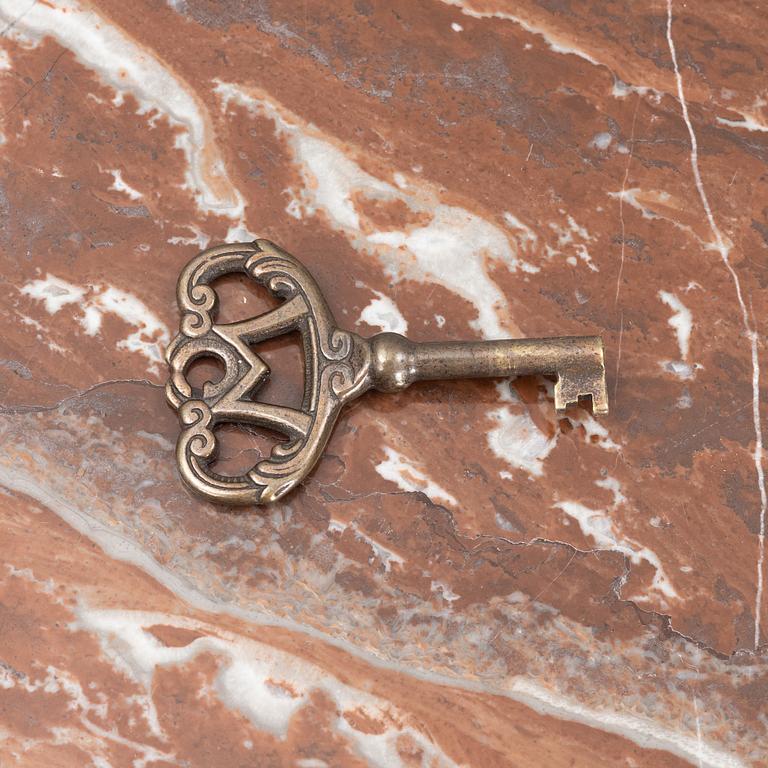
pixel 338 367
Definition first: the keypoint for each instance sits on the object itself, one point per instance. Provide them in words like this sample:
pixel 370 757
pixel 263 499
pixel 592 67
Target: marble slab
pixel 467 579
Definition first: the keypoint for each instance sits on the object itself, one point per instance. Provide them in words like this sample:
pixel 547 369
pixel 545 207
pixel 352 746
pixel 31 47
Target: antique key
pixel 338 367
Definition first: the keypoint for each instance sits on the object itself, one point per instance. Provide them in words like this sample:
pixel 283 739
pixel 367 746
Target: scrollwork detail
pixel 336 369
pixel 197 438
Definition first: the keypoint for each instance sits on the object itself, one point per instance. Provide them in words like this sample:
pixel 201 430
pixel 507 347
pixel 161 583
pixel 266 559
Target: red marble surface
pixel 466 579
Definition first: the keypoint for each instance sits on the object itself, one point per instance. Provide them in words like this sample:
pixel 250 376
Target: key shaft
pixel 577 361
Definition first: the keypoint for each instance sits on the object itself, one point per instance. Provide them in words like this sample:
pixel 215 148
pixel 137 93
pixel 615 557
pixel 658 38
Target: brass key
pixel 338 367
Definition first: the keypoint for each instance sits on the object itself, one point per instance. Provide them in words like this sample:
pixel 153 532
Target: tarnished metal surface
pixel 338 367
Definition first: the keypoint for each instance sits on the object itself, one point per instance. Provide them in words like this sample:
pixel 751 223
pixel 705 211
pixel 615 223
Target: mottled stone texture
pixel 466 579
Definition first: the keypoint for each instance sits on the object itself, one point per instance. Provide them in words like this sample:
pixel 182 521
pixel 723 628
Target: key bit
pixel 338 367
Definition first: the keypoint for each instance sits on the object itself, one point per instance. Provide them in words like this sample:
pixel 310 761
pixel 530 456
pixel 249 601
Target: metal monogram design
pixel 335 368
pixel 338 366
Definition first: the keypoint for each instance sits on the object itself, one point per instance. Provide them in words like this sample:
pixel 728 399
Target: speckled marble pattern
pixel 466 579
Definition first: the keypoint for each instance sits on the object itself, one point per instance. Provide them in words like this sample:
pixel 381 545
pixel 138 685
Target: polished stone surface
pixel 466 579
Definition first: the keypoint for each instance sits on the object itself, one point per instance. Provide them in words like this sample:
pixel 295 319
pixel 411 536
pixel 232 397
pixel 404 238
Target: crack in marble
pixel 13 410
pixel 724 249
